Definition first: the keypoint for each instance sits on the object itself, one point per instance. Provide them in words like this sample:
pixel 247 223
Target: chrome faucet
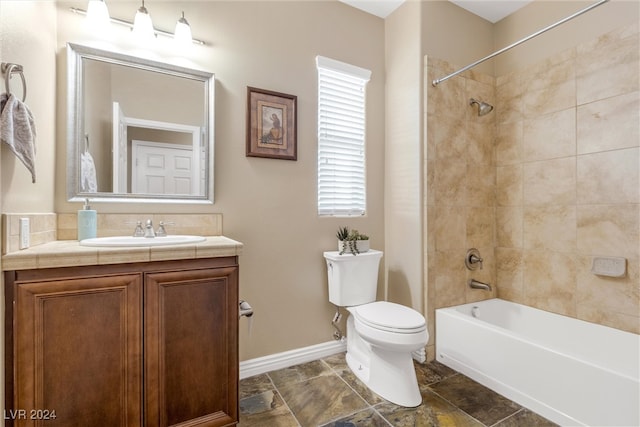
pixel 479 285
pixel 148 230
pixel 161 232
pixel 138 232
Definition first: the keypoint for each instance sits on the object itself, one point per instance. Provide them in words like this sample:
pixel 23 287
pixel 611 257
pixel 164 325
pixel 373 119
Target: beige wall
pixel 35 51
pixel 403 157
pixel 267 204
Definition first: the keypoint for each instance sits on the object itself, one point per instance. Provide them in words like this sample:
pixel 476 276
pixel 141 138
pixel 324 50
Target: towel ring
pixel 8 69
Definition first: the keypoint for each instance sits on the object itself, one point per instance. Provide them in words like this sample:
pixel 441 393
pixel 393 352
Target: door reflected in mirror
pixel 142 129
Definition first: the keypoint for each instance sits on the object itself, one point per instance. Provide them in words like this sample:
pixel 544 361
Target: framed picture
pixel 271 124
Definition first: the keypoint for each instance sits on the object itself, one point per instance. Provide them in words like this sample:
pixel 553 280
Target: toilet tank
pixel 353 280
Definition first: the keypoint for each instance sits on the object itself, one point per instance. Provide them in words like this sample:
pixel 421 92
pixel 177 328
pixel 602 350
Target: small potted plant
pixel 352 241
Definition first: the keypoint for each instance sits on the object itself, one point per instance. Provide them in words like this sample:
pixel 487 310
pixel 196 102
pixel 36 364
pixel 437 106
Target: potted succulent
pixel 352 241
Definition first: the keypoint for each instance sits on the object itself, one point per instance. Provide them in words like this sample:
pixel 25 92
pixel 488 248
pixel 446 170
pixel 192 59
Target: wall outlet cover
pixel 24 233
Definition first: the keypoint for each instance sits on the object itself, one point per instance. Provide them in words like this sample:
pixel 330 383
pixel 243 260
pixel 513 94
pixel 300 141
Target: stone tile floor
pixel 326 393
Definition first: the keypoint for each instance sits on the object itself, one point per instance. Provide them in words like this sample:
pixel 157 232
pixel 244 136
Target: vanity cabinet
pixel 145 344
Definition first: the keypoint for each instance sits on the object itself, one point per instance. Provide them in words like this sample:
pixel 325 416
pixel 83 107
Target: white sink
pixel 141 241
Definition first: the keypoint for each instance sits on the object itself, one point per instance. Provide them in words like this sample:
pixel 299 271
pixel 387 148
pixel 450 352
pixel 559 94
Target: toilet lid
pixel 388 315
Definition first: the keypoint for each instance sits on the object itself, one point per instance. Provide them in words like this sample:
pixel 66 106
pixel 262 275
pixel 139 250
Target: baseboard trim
pixel 260 365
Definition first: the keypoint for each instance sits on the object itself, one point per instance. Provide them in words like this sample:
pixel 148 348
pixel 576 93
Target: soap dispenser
pixel 87 222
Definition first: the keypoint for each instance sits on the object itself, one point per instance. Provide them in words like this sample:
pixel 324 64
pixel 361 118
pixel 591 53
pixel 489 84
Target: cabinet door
pixel 78 352
pixel 191 348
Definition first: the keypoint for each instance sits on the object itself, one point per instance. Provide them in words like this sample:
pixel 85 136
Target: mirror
pixel 138 130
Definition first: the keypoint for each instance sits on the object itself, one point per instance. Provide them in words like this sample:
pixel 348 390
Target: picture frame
pixel 271 124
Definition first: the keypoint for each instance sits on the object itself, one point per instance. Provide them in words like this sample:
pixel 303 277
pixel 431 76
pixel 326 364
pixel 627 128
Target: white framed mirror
pixel 138 130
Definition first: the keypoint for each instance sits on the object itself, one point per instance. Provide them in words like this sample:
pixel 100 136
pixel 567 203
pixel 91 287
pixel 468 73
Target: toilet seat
pixel 390 317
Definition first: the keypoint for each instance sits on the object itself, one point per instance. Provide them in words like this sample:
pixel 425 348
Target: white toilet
pixel 380 335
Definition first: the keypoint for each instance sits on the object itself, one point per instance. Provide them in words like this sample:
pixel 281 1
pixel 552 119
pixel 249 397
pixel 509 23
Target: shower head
pixel 483 107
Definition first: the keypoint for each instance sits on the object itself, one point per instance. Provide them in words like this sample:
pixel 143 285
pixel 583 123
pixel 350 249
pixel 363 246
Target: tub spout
pixel 479 285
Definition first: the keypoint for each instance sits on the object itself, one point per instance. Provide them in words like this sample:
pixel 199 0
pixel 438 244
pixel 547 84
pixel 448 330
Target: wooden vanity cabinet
pixel 145 344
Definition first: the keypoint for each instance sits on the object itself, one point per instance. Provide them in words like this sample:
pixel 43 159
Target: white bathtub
pixel 567 370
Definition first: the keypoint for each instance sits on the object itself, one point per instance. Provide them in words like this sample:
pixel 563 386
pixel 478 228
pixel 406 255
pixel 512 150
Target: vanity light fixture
pixel 182 35
pixel 130 25
pixel 98 15
pixel 142 25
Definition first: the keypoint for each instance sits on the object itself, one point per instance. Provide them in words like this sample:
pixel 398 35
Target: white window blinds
pixel 341 138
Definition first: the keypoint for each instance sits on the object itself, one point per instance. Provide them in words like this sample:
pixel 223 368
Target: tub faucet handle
pixel 473 260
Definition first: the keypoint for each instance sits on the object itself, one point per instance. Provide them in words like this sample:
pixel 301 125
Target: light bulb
pixel 182 36
pixel 142 25
pixel 98 16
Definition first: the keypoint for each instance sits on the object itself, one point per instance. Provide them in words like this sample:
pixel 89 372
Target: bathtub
pixel 567 370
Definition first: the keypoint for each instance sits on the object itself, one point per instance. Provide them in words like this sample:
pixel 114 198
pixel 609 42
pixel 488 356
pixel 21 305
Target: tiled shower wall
pixel 460 188
pixel 567 186
pixel 546 181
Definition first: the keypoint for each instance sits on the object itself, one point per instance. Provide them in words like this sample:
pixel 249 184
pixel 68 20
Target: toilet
pixel 381 335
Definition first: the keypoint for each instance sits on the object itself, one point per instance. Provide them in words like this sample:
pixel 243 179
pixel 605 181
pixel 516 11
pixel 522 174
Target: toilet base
pixel 389 374
pixel 393 378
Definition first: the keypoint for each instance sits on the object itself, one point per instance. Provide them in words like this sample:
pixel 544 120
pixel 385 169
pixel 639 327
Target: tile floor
pixel 326 393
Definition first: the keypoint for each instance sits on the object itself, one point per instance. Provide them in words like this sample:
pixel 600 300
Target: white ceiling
pixel 491 10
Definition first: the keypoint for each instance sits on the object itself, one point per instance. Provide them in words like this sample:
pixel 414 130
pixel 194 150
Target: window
pixel 341 138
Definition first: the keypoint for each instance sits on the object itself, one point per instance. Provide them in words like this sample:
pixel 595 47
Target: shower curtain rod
pixel 504 49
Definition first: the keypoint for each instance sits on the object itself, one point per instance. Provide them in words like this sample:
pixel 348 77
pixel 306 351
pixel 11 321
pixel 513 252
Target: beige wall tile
pixel 480 142
pixel 609 177
pixel 509 185
pixel 550 136
pixel 510 269
pixel 554 204
pixel 549 99
pixel 615 294
pixel 480 227
pixel 481 185
pixel 509 140
pixel 42 229
pixel 450 228
pixel 609 65
pixel 449 99
pixel 550 281
pixel 612 230
pixel 554 70
pixel 512 295
pixel 450 138
pixel 609 124
pixel 450 278
pixel 509 227
pixel 606 317
pixel 509 99
pixel 450 183
pixel 550 182
pixel 550 228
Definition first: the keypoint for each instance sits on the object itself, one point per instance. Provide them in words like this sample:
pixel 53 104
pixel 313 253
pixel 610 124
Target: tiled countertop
pixel 69 253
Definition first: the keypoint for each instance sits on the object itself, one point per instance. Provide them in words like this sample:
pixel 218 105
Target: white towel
pixel 88 182
pixel 18 130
